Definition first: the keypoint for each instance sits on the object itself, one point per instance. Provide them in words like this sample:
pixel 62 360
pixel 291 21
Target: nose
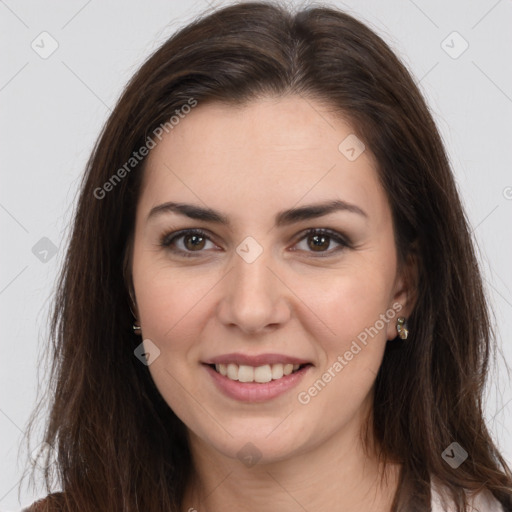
pixel 255 297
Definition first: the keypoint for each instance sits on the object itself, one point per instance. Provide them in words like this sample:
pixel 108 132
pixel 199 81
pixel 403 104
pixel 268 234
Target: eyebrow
pixel 283 218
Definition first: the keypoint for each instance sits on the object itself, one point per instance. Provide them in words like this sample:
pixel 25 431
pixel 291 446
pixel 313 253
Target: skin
pixel 250 163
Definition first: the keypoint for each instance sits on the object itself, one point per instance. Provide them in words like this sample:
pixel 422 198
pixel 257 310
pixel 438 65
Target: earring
pixel 136 328
pixel 401 327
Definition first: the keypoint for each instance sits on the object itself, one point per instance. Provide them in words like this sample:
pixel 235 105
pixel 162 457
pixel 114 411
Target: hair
pixel 118 444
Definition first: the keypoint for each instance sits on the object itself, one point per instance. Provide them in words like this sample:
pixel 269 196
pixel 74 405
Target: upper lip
pixel 257 360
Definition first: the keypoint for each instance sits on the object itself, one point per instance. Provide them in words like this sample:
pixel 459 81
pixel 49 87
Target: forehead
pixel 271 151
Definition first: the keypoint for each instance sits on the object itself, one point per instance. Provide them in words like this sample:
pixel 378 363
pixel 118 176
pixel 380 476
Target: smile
pixel 260 374
pixel 261 383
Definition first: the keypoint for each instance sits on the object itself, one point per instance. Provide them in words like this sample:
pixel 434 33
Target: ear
pixel 405 291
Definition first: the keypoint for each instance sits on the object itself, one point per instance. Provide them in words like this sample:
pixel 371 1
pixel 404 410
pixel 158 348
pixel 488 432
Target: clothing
pixel 483 502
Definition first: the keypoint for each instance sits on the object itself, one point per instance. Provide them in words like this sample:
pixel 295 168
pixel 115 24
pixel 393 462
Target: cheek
pixel 352 303
pixel 168 299
pixel 356 308
pixel 171 306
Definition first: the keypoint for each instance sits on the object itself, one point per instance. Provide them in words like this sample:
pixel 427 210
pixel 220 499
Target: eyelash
pixel 168 239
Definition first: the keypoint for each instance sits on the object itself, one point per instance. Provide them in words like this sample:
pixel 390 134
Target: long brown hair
pixel 118 444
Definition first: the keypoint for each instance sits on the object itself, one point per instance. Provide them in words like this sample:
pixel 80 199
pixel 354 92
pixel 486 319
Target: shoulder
pixel 52 503
pixel 482 501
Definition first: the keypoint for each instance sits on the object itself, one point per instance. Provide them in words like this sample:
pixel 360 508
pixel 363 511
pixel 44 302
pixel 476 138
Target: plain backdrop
pixel 65 63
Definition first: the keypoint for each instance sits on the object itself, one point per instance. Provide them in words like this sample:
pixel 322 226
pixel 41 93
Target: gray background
pixel 52 110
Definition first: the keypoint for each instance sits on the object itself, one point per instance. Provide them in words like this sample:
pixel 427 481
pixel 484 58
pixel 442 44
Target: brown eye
pixel 319 241
pixel 186 242
pixel 193 242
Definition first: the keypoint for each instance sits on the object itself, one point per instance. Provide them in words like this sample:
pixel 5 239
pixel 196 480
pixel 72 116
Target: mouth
pixel 257 374
pixel 256 384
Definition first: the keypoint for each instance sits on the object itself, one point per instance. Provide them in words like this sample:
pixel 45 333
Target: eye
pixel 318 241
pixel 193 240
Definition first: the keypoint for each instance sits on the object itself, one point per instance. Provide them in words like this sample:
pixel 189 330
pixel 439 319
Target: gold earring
pixel 401 327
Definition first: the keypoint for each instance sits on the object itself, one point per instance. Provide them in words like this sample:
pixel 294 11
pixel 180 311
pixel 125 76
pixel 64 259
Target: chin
pixel 261 442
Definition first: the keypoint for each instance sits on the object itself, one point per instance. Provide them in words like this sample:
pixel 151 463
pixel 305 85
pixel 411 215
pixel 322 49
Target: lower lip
pixel 254 391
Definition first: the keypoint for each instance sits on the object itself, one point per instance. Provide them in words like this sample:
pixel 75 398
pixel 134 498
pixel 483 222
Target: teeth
pixel 277 371
pixel 245 373
pixel 232 371
pixel 265 373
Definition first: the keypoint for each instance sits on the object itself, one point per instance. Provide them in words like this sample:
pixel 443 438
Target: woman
pixel 270 288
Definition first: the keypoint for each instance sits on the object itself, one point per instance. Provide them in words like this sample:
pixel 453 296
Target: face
pixel 250 283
